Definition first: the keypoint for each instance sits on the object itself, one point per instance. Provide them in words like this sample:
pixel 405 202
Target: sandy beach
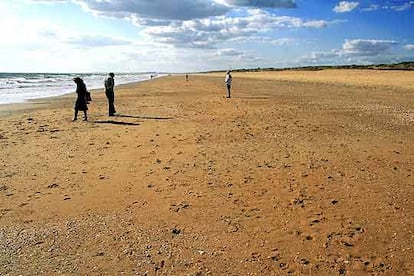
pixel 300 173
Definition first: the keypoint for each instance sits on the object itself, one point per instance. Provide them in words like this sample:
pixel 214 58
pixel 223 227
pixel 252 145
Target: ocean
pixel 20 87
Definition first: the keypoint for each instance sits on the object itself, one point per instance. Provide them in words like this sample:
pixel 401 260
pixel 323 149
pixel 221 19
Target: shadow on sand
pixel 116 123
pixel 252 97
pixel 143 117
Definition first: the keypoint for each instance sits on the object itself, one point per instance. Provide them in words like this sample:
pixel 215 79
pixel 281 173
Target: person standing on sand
pixel 80 103
pixel 109 92
pixel 228 81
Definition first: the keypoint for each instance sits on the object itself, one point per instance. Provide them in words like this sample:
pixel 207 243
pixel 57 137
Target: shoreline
pixel 361 77
pixel 64 90
pixel 9 109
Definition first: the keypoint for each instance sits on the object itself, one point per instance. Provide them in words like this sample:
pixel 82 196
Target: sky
pixel 179 36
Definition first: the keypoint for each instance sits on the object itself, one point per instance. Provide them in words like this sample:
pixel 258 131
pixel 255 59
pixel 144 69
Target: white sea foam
pixel 19 87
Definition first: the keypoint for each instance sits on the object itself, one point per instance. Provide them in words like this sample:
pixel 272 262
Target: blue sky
pixel 200 35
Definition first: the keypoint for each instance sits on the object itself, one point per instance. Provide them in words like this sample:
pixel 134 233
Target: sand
pixel 300 173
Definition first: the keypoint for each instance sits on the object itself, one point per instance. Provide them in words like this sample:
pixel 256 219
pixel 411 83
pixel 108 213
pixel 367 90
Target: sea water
pixel 20 87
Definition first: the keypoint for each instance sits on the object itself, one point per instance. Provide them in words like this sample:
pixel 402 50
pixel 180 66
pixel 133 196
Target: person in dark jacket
pixel 109 92
pixel 228 81
pixel 80 104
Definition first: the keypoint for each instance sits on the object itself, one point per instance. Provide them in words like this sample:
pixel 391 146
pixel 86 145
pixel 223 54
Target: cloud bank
pixel 207 33
pixel 175 9
pixel 262 3
pixel 367 47
pixel 355 50
pixel 156 9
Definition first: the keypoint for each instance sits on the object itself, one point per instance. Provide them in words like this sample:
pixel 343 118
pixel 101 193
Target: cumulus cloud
pixel 367 47
pixel 345 6
pixel 156 12
pixel 262 3
pixel 206 33
pixel 409 47
pixel 317 57
pixel 156 9
pixel 316 24
pixel 194 23
pixel 361 51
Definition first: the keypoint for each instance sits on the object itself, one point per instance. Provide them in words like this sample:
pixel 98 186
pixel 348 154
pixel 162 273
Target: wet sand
pixel 300 173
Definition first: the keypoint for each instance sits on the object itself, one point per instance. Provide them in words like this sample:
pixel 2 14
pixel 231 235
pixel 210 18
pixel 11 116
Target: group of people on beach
pixel 84 97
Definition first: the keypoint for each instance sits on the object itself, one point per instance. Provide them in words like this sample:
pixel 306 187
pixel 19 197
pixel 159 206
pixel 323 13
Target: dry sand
pixel 300 173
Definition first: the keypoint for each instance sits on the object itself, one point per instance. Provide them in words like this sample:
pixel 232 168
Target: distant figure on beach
pixel 228 81
pixel 80 104
pixel 109 92
pixel 186 77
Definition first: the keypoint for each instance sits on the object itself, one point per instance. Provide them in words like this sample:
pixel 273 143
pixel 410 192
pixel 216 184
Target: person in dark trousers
pixel 80 104
pixel 109 92
pixel 228 81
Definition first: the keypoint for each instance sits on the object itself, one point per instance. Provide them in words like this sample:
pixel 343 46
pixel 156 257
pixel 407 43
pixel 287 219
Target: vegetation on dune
pixel 409 65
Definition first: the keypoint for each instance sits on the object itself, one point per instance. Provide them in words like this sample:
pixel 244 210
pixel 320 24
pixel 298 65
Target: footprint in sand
pixel 4 211
pixel 52 186
pixel 3 187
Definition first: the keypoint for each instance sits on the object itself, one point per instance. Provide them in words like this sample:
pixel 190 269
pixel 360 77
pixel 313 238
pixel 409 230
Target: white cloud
pixel 372 7
pixel 409 47
pixel 316 24
pixel 206 33
pixel 217 31
pixel 403 6
pixel 192 23
pixel 279 41
pixel 396 5
pixel 345 6
pixel 367 47
pixel 361 51
pixel 262 3
pixel 171 9
pixel 320 57
pixel 156 9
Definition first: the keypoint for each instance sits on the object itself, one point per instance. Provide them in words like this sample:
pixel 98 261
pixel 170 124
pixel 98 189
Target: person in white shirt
pixel 228 81
pixel 109 92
